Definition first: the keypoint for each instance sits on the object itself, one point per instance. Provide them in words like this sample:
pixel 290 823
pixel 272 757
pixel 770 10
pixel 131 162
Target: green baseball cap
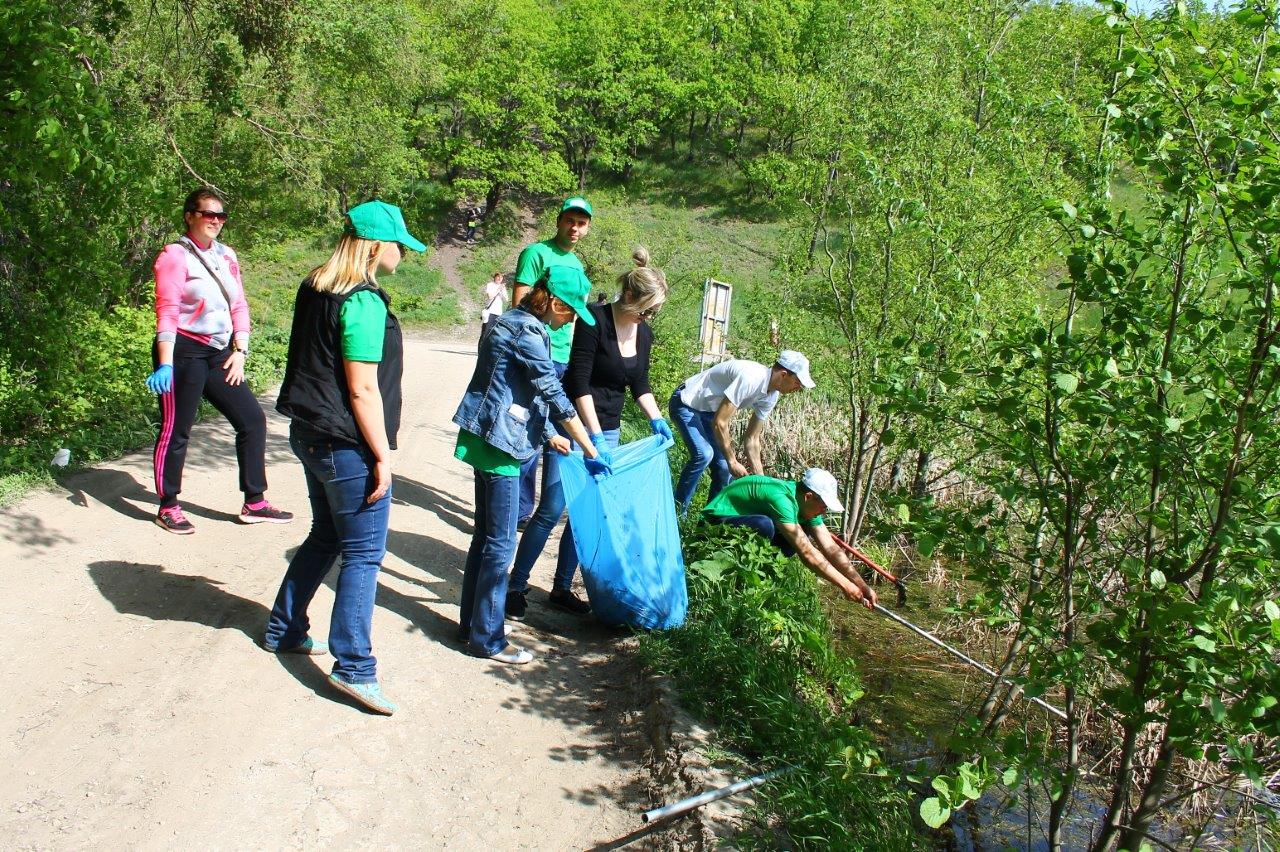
pixel 571 286
pixel 576 202
pixel 377 220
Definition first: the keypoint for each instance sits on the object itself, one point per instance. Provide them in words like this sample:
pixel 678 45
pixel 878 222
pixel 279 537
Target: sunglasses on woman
pixel 216 215
pixel 649 313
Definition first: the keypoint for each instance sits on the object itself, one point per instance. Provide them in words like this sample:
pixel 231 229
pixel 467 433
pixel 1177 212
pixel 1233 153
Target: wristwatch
pixel 235 346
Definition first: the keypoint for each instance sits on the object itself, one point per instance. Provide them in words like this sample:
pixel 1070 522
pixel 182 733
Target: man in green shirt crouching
pixel 789 514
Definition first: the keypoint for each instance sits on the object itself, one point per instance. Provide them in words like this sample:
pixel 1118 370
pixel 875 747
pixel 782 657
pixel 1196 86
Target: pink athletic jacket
pixel 190 302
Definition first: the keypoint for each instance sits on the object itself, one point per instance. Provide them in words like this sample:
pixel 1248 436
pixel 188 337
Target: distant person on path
pixel 341 392
pixel 201 343
pixel 703 408
pixel 473 222
pixel 508 412
pixel 572 224
pixel 609 357
pixel 788 513
pixel 492 294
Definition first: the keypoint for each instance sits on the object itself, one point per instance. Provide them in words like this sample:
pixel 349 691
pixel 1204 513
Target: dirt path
pixel 449 252
pixel 139 712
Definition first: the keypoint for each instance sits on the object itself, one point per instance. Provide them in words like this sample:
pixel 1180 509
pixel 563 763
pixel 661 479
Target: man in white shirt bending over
pixel 703 408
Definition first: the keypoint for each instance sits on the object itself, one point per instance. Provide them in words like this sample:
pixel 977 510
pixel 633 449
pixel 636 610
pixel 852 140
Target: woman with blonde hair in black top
pixel 607 360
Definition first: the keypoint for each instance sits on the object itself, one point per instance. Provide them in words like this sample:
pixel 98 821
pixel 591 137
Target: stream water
pixel 915 698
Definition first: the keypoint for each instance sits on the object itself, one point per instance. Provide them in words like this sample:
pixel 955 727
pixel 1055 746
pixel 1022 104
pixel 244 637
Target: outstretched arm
pixel 816 561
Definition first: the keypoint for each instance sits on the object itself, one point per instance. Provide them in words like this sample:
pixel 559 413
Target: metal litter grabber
pixel 866 560
pixel 925 634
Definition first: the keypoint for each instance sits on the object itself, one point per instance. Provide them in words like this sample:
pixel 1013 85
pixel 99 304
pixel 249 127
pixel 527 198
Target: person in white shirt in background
pixel 703 407
pixel 494 292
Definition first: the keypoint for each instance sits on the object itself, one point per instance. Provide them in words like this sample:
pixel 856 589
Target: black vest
pixel 315 392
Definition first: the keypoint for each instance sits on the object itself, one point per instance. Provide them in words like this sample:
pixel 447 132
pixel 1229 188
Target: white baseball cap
pixel 824 485
pixel 789 359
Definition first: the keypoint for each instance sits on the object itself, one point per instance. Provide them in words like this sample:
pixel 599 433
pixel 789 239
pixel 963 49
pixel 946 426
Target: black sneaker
pixel 569 602
pixel 172 520
pixel 522 523
pixel 517 605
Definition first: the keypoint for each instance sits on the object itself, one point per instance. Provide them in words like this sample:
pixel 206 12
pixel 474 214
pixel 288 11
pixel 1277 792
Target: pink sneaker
pixel 172 520
pixel 263 512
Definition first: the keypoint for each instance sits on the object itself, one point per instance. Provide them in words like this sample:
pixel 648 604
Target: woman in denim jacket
pixel 505 416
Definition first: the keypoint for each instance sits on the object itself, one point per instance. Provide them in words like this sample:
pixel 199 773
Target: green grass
pixel 691 241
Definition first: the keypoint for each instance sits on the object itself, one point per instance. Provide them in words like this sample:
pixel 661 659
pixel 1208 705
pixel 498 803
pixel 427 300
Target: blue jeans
pixel 762 525
pixel 550 508
pixel 696 431
pixel 529 467
pixel 484 582
pixel 339 478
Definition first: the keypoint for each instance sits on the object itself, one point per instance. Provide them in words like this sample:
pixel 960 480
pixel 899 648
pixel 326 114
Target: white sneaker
pixel 513 655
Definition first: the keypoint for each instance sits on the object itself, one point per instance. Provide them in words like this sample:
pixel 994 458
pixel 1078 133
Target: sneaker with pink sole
pixel 263 512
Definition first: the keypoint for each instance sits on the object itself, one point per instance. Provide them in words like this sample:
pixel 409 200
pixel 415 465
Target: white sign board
pixel 713 329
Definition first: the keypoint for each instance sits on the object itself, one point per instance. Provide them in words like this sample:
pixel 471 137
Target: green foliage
pixel 1125 438
pixel 755 657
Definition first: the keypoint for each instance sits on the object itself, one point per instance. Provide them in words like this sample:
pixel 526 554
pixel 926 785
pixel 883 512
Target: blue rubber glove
pixel 660 427
pixel 603 448
pixel 599 466
pixel 161 381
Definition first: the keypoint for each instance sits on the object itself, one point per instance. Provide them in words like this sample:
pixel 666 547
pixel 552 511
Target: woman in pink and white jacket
pixel 202 340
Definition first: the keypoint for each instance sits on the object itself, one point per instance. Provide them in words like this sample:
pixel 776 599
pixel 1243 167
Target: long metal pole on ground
pixel 925 634
pixel 694 802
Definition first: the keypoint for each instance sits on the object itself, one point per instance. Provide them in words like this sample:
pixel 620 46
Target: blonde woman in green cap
pixel 341 392
pixel 511 408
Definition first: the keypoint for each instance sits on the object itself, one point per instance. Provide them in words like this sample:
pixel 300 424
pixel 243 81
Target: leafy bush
pixel 755 657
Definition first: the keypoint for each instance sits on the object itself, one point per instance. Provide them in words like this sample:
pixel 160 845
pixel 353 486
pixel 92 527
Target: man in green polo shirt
pixel 571 225
pixel 789 514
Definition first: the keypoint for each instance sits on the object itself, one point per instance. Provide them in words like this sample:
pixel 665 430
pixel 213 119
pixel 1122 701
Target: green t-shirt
pixel 364 325
pixel 535 260
pixel 483 456
pixel 778 499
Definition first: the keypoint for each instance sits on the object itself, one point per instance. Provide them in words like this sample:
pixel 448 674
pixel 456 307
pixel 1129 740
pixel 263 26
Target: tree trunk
pixel 493 197
pixel 1140 822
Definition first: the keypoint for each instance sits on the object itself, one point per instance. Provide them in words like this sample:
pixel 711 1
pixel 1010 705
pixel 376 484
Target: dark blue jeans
pixel 699 437
pixel 484 581
pixel 529 468
pixel 339 478
pixel 763 525
pixel 550 508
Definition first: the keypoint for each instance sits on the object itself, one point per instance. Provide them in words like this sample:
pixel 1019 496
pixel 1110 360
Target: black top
pixel 596 367
pixel 315 394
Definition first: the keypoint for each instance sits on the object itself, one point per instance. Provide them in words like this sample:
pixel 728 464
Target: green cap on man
pixel 576 202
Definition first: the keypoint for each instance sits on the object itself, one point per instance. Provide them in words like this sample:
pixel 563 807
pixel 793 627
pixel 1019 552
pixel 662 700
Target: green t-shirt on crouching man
pixel 534 261
pixel 776 499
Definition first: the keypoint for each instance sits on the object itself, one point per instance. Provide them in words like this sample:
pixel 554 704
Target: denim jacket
pixel 514 393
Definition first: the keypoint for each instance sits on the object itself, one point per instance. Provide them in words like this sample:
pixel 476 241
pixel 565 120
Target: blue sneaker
pixel 368 694
pixel 307 647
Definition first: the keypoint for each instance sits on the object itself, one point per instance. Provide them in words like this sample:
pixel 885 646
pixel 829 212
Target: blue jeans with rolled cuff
pixel 484 580
pixel 339 478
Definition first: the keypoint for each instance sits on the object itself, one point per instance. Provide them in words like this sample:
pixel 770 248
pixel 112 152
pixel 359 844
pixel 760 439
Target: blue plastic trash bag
pixel 627 538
